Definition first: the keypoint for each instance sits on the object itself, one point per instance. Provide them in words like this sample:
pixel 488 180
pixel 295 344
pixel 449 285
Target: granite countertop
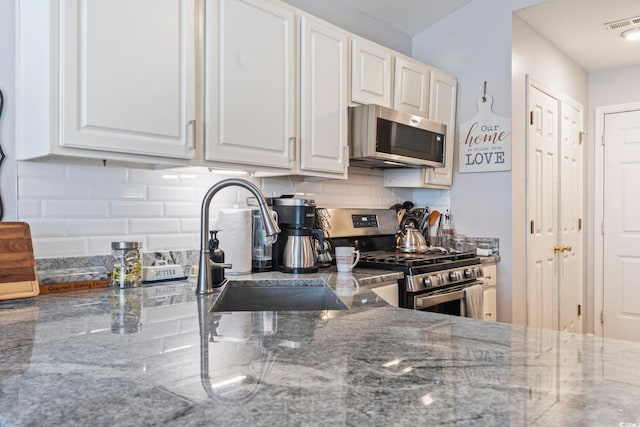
pixel 157 356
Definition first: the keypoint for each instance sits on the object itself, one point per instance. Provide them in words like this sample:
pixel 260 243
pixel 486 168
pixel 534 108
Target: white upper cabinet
pixel 411 87
pixel 442 109
pixel 370 73
pixel 106 76
pixel 323 97
pixel 250 83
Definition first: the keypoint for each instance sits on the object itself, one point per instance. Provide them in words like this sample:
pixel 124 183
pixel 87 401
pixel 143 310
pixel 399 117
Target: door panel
pixel 128 82
pixel 542 202
pixel 250 83
pixel 323 97
pixel 622 226
pixel 571 190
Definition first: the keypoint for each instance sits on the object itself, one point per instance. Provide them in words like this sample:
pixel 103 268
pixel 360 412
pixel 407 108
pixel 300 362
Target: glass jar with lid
pixel 127 264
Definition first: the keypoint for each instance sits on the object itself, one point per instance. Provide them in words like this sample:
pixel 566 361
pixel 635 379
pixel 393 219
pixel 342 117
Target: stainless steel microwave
pixel 386 138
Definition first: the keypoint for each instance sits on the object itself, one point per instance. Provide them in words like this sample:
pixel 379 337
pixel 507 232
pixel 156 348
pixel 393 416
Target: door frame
pixel 598 217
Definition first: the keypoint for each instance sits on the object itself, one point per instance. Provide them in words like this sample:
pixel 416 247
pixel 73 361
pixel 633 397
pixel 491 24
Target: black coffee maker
pixel 294 251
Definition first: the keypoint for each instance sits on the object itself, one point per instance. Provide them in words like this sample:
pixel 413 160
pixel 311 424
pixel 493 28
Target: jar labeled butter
pixel 127 264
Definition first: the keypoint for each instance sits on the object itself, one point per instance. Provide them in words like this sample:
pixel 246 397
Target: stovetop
pixel 416 263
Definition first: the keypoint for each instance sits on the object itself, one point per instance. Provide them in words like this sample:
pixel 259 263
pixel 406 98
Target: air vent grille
pixel 622 23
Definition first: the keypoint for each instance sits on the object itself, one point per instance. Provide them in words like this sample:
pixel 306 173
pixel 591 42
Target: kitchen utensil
pixel 18 266
pixel 409 239
pixel 408 205
pixel 433 216
pixel 346 258
pixel 294 251
pixel 401 213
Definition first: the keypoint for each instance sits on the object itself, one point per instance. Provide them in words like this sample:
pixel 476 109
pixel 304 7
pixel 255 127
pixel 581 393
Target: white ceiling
pixel 408 16
pixel 574 26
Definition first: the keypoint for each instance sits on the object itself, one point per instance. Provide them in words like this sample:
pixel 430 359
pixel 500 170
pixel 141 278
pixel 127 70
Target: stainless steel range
pixel 434 280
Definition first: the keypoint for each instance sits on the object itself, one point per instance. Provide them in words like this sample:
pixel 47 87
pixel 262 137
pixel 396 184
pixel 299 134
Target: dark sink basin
pixel 284 295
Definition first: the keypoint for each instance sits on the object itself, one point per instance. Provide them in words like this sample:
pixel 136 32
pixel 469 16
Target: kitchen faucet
pixel 270 226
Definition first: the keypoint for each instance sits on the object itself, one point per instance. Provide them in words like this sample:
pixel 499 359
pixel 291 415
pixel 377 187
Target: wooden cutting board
pixel 18 277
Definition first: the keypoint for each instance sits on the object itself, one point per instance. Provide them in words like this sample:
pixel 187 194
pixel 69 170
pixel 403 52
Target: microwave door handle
pixel 431 300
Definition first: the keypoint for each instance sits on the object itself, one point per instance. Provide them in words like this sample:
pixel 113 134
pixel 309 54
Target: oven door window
pixel 407 141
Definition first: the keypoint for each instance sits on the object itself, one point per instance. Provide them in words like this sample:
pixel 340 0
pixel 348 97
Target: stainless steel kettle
pixel 409 239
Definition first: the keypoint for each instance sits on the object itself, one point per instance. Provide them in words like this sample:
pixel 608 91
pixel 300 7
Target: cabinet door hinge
pixel 602 228
pixel 602 317
pixel 531 117
pixel 579 309
pixel 579 223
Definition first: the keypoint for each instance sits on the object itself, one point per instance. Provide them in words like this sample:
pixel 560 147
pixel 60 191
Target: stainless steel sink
pixel 288 295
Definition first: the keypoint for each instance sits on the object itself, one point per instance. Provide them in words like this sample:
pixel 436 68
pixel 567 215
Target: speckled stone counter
pixel 157 356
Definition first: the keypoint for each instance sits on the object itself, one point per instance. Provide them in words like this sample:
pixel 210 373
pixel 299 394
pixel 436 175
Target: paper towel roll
pixel 235 239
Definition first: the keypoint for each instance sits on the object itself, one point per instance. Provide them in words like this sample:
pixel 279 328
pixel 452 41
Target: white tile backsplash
pixel 78 210
pixel 116 191
pixel 142 209
pixel 51 188
pixel 70 208
pixel 96 227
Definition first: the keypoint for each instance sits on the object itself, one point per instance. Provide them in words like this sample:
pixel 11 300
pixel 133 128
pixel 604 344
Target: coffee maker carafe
pixel 294 251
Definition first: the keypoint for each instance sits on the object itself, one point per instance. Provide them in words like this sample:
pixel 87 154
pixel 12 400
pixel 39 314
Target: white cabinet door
pixel 489 305
pixel 323 97
pixel 250 82
pixel 442 109
pixel 370 73
pixel 128 76
pixel 411 87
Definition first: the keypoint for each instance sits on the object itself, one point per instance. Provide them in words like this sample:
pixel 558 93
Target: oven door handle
pixel 431 300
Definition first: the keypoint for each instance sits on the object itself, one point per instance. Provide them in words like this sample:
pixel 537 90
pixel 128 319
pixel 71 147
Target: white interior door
pixel 542 206
pixel 621 303
pixel 571 207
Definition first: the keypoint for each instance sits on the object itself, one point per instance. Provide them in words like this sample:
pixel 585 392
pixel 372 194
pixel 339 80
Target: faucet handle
pixel 219 265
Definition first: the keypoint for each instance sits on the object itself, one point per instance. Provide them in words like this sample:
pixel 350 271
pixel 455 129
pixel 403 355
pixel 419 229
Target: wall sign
pixel 484 142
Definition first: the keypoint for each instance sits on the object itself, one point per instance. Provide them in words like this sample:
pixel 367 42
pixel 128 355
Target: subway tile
pixel 94 227
pixel 96 173
pixel 340 188
pixel 182 209
pixel 101 245
pixel 163 242
pixel 154 225
pixel 364 201
pixel 56 247
pixel 47 227
pixel 171 194
pixel 74 209
pixel 54 171
pixel 154 177
pixel 135 209
pixel 115 191
pixel 29 208
pixel 385 202
pixel 275 187
pixel 51 188
pixel 190 225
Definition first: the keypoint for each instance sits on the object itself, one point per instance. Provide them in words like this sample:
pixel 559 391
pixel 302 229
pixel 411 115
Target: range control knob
pixel 470 273
pixel 455 275
pixel 430 281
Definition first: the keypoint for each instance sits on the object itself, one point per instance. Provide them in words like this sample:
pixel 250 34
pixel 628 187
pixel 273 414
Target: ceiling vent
pixel 622 23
